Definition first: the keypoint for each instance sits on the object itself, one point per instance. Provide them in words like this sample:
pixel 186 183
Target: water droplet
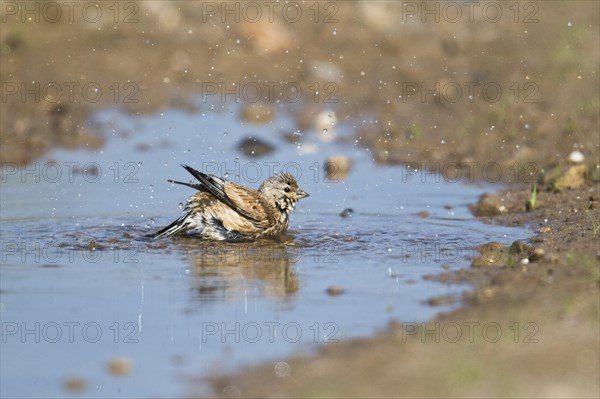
pixel 180 205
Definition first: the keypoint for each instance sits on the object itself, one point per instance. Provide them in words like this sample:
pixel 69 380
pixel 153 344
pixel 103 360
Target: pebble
pixel 441 300
pixel 536 254
pixel 282 370
pixel 347 212
pixel 576 157
pixel 491 254
pixel 519 247
pixel 75 384
pixel 254 147
pixel 573 179
pixel 337 167
pixel 334 291
pixel 120 366
pixel 488 205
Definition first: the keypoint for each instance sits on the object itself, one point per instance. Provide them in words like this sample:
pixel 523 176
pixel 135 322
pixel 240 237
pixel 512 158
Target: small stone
pixel 347 212
pixel 120 366
pixel 519 246
pixel 254 147
pixel 576 157
pixel 545 229
pixel 282 370
pixel 491 254
pixel 424 214
pixel 441 300
pixel 488 205
pixel 143 147
pixel 337 167
pixel 334 291
pixel 535 254
pixel 91 171
pixel 574 178
pixel 75 384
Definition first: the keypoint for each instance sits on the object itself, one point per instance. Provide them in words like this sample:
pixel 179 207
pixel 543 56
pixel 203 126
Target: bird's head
pixel 283 190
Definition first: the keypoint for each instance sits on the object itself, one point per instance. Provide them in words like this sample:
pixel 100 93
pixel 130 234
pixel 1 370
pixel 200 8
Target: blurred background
pixel 363 99
pixel 418 82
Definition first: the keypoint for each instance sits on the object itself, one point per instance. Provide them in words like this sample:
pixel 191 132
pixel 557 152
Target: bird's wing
pixel 244 201
pixel 250 201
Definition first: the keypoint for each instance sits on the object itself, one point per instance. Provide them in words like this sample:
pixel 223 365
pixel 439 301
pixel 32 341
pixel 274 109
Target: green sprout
pixel 595 225
pixel 511 257
pixel 532 197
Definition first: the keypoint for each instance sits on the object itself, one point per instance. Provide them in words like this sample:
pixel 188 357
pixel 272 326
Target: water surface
pixel 81 286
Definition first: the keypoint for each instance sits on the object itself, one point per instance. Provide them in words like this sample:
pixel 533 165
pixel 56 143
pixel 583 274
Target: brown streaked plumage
pixel 223 210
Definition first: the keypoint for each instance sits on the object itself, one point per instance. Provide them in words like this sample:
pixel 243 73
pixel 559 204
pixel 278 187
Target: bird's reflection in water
pixel 227 271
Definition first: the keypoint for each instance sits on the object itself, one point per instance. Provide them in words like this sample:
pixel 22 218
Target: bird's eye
pixel 287 189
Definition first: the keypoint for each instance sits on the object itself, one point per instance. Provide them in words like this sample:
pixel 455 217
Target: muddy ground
pixel 391 74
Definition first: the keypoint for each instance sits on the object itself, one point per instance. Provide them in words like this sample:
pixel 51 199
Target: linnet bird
pixel 223 210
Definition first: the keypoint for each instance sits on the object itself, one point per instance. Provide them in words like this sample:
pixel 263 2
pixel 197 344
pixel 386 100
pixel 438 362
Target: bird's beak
pixel 301 194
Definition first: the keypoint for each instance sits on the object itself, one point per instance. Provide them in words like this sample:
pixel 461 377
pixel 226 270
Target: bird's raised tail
pixel 178 226
pixel 192 185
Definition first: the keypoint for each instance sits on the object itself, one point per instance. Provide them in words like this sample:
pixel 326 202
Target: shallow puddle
pixel 92 308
